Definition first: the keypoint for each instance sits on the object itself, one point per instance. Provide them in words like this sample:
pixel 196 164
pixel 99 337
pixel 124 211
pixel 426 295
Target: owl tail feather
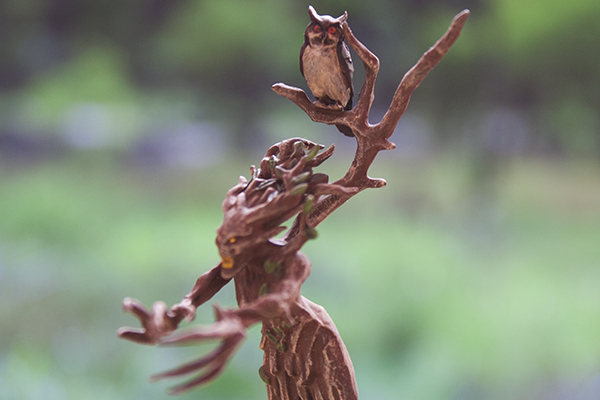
pixel 345 130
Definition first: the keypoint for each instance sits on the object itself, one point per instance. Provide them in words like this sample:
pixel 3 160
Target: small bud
pixel 309 203
pixel 263 375
pixel 310 233
pixel 312 153
pixel 301 178
pixel 277 331
pixel 271 337
pixel 281 347
pixel 264 289
pixel 287 325
pixel 299 189
pixel 271 266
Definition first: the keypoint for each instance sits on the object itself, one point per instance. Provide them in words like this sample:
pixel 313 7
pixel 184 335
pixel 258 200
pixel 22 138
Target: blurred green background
pixel 475 274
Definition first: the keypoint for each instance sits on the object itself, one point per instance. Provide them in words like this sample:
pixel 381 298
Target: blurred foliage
pixel 473 275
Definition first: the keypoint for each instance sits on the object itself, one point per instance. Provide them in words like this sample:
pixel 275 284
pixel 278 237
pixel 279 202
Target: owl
pixel 326 64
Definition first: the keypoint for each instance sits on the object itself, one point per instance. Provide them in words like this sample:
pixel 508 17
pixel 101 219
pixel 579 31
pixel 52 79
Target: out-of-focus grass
pixel 441 289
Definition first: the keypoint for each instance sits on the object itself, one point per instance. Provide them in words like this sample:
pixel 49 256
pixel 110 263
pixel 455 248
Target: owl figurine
pixel 326 64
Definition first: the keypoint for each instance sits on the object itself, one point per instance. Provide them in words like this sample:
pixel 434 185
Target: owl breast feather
pixel 324 76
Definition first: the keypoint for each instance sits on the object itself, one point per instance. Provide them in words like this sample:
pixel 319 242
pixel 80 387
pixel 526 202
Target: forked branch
pixel 371 139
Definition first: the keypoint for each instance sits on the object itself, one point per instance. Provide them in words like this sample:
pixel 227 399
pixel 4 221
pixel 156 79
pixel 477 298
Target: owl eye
pixel 331 30
pixel 232 240
pixel 317 28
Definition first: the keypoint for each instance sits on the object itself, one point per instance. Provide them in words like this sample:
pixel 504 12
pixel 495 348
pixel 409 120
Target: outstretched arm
pixel 160 322
pixel 205 288
pixel 231 325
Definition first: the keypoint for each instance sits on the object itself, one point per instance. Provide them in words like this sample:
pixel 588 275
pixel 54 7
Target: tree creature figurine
pixel 304 356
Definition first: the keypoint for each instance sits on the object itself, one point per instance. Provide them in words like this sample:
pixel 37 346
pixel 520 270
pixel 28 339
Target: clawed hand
pixel 228 328
pixel 155 324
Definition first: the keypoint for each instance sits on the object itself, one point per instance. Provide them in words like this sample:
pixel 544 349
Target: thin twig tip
pixel 462 16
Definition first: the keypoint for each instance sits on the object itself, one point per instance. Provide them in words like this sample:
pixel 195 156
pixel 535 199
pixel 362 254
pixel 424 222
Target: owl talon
pixel 328 106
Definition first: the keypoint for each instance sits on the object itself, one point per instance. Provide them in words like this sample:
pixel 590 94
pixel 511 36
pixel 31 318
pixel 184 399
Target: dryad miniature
pixel 304 356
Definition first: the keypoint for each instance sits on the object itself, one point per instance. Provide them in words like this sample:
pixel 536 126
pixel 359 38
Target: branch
pixel 371 64
pixel 317 114
pixel 371 139
pixel 413 78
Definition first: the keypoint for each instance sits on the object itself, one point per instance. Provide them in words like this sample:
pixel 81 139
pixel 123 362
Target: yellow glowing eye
pixel 232 240
pixel 227 263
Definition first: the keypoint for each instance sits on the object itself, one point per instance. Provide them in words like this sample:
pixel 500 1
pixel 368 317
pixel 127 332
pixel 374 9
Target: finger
pixel 183 370
pixel 135 335
pixel 159 315
pixel 219 330
pixel 184 311
pixel 217 357
pixel 186 368
pixel 212 374
pixel 137 309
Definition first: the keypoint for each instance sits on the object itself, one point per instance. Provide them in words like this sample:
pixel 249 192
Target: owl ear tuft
pixel 342 18
pixel 313 13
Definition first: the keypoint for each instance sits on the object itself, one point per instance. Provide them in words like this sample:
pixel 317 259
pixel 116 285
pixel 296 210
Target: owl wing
pixel 301 54
pixel 347 68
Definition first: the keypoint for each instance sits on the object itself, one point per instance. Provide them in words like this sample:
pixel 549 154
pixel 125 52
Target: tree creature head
pixel 283 186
